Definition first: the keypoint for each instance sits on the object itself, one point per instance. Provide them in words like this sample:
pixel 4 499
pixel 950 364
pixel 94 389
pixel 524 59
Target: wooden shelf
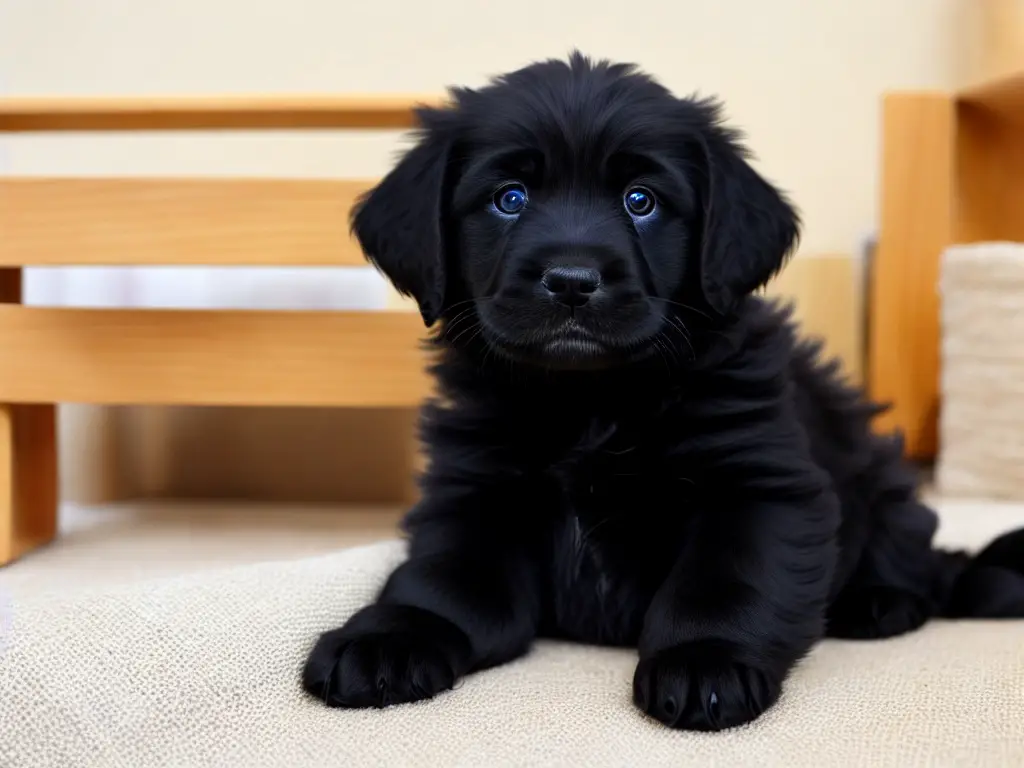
pixel 952 173
pixel 1003 96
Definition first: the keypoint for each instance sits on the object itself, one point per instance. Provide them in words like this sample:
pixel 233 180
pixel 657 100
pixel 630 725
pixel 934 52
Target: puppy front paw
pixel 386 655
pixel 703 686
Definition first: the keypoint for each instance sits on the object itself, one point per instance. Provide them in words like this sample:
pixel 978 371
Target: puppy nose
pixel 572 286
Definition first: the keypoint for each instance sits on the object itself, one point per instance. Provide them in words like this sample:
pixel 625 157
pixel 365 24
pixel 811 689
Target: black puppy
pixel 629 447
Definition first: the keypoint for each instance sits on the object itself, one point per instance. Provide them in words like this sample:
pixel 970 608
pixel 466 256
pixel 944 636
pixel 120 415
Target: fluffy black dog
pixel 629 447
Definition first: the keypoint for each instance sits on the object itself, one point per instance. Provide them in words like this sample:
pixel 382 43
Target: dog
pixel 629 445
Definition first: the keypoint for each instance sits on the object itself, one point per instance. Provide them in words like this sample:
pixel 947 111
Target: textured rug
pixel 201 669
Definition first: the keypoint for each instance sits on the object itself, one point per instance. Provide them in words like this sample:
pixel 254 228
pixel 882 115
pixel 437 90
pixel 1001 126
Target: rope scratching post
pixel 982 382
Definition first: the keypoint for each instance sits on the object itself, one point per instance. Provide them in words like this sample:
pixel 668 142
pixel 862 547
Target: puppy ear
pixel 400 223
pixel 750 227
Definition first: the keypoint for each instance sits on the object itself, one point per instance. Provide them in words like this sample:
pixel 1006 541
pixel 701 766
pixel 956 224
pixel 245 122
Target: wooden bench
pixel 178 357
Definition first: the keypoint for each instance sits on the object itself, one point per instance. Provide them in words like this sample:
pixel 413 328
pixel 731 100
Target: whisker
pixel 585 538
pixel 660 346
pixel 678 325
pixel 450 307
pixel 488 350
pixel 676 362
pixel 450 326
pixel 682 306
pixel 477 325
pixel 477 332
pixel 622 452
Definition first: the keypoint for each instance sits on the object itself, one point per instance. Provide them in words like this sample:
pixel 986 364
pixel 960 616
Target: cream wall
pixel 802 77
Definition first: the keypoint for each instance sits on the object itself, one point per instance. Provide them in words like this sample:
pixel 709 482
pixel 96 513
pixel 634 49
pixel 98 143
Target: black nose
pixel 572 286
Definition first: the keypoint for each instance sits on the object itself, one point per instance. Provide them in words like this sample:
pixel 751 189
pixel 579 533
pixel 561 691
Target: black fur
pixel 666 465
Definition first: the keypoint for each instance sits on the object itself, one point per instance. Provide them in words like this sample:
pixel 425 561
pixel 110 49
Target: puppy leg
pixel 897 579
pixel 893 589
pixel 743 604
pixel 467 598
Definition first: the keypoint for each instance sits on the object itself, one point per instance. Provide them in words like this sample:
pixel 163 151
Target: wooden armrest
pixel 20 114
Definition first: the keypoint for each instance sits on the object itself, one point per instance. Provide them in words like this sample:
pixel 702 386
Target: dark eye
pixel 510 198
pixel 639 201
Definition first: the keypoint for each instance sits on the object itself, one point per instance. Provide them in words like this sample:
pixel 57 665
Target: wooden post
pixel 28 463
pixel 916 226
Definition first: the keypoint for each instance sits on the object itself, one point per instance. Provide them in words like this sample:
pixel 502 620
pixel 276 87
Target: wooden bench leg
pixel 28 463
pixel 28 479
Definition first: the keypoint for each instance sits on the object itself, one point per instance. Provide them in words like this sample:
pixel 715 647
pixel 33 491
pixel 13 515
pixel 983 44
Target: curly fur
pixel 692 479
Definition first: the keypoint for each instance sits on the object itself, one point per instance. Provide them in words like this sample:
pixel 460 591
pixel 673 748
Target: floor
pixel 135 541
pixel 126 542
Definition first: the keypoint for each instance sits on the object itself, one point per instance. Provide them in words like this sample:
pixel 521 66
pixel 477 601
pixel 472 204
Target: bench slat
pixel 20 114
pixel 190 357
pixel 242 222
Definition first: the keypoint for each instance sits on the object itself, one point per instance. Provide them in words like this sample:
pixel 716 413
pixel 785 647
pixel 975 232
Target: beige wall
pixel 802 77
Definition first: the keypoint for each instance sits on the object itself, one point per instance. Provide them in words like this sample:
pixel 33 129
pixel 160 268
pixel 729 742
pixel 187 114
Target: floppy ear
pixel 749 226
pixel 400 222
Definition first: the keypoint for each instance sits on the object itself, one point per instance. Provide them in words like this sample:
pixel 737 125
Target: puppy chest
pixel 595 594
pixel 619 526
pixel 622 470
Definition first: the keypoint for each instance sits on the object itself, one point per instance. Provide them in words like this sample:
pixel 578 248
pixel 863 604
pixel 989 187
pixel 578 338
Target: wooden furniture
pixel 110 356
pixel 952 172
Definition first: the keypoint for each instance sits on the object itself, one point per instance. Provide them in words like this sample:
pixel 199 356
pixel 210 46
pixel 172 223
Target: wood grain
pixel 9 520
pixel 1002 96
pixel 185 357
pixel 28 462
pixel 20 114
pixel 989 198
pixel 916 224
pixel 178 221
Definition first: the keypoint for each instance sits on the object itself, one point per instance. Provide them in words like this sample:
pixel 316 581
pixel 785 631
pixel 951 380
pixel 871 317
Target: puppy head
pixel 571 212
